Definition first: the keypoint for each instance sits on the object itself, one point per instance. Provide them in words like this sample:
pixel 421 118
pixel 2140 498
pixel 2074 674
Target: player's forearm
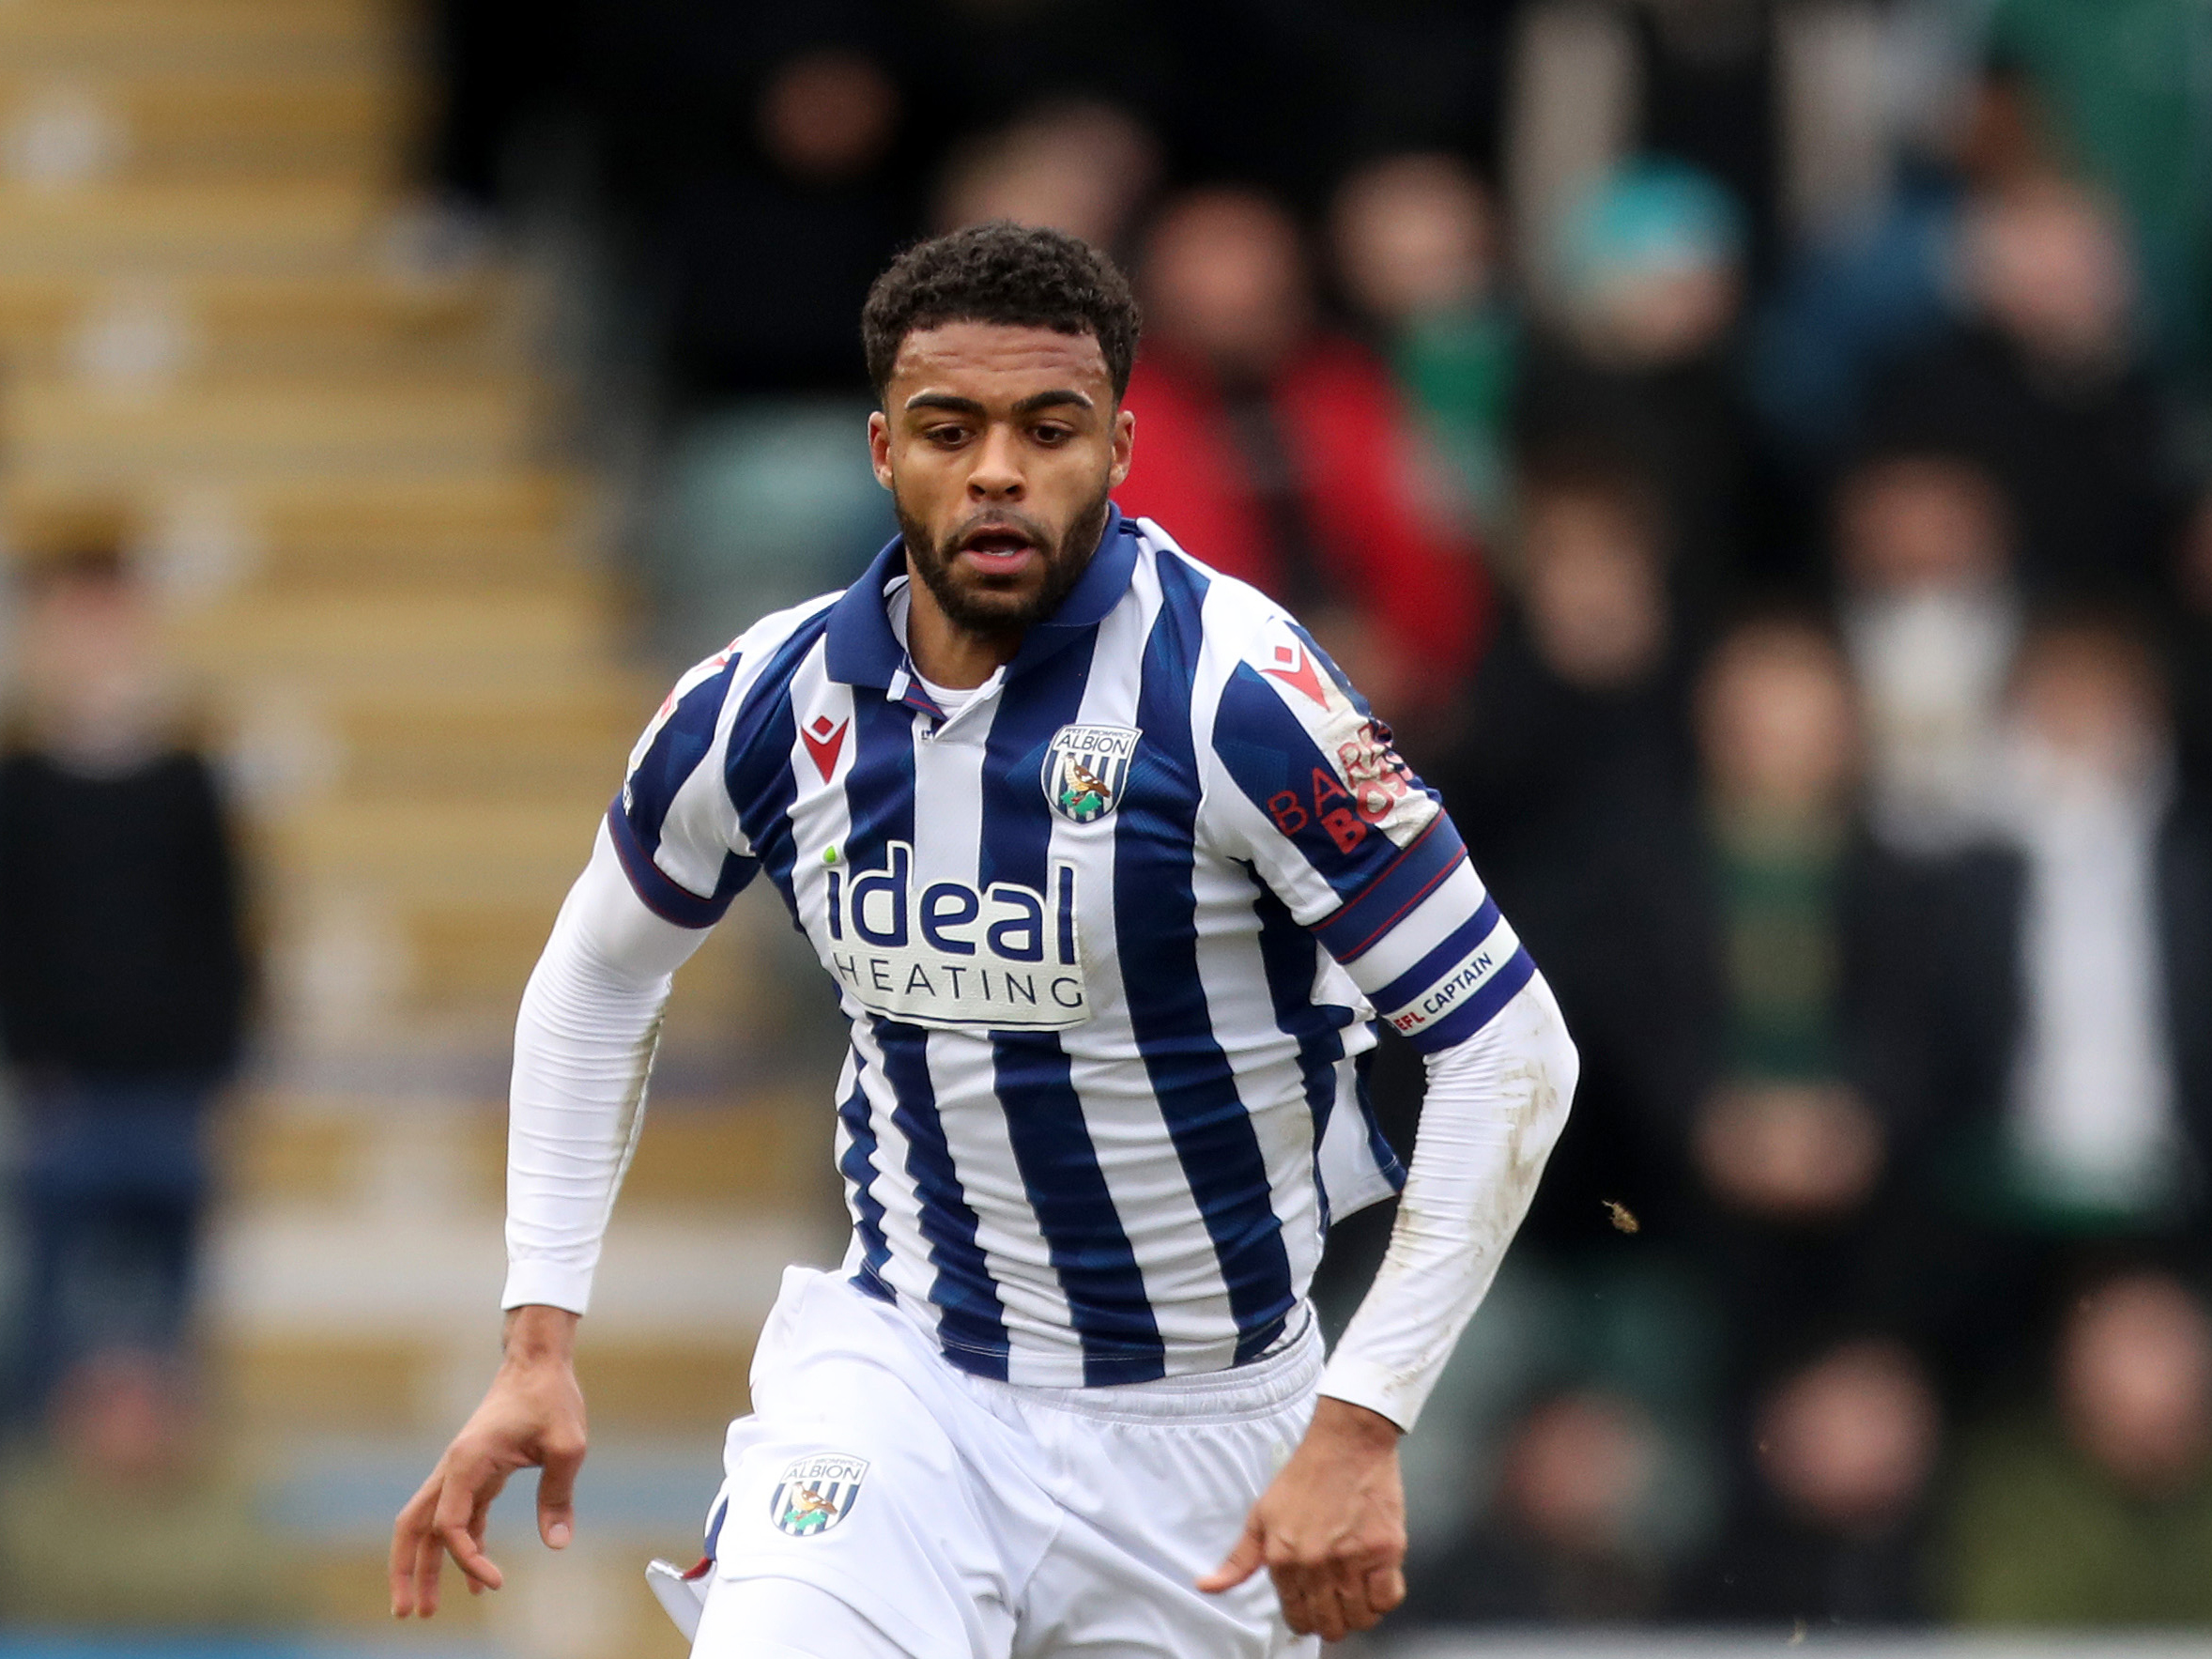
pixel 1495 1107
pixel 583 1048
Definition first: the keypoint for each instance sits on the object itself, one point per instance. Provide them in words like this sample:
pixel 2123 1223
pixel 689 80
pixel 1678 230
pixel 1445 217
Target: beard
pixel 977 603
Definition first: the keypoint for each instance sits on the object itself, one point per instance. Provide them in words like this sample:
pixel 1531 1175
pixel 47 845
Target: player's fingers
pixel 1339 1600
pixel 1386 1589
pixel 480 1518
pixel 1337 1617
pixel 1351 1602
pixel 1295 1588
pixel 462 1510
pixel 1242 1563
pixel 1293 1576
pixel 429 1568
pixel 407 1531
pixel 1365 1588
pixel 429 1553
pixel 1290 1593
pixel 469 1555
pixel 557 1487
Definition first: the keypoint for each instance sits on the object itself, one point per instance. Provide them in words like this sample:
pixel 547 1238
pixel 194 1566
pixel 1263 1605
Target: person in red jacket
pixel 1283 451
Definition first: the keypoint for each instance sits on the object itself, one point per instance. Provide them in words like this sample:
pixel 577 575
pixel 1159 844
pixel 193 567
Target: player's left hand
pixel 1330 1528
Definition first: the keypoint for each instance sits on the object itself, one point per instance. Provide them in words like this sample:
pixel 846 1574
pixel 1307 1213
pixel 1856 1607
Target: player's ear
pixel 879 446
pixel 1125 438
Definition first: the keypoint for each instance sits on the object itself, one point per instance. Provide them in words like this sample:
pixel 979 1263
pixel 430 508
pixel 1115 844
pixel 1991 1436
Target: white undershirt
pixel 898 603
pixel 955 699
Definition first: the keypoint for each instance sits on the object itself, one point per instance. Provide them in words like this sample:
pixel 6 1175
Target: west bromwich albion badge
pixel 814 1494
pixel 1085 769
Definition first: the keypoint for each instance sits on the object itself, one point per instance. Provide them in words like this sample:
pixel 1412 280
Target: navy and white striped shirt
pixel 1111 938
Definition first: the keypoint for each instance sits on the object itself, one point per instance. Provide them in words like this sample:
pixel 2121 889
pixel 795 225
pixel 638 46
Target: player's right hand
pixel 532 1416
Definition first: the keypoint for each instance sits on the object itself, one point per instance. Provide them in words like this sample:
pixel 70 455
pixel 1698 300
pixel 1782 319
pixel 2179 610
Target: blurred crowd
pixel 125 977
pixel 1756 453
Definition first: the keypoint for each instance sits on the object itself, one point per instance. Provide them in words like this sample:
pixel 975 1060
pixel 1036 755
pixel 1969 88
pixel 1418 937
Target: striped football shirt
pixel 1113 938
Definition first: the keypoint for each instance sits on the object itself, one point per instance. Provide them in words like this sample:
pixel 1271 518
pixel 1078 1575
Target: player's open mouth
pixel 998 552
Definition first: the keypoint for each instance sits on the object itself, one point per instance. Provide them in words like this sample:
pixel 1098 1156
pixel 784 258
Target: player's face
pixel 999 445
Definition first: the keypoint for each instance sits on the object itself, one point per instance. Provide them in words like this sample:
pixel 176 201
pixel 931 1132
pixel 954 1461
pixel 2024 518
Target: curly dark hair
pixel 1002 272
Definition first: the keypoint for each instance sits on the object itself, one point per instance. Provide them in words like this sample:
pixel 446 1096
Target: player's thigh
pixel 784 1618
pixel 1152 1508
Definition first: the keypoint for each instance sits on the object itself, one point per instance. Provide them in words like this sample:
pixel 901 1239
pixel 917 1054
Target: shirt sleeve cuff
pixel 536 1283
pixel 1361 1382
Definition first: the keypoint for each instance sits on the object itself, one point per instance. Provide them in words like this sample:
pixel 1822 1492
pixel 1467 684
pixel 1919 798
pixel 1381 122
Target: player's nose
pixel 996 475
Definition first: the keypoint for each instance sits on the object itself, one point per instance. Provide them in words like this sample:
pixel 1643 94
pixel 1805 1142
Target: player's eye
pixel 1051 433
pixel 946 437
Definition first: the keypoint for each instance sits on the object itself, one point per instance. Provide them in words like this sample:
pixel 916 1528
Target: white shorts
pixel 968 1519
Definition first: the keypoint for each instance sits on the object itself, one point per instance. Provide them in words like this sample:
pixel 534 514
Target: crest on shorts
pixel 1085 769
pixel 814 1494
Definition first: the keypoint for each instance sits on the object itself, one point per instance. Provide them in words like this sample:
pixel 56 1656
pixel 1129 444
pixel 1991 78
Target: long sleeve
pixel 1495 1106
pixel 1362 854
pixel 583 1047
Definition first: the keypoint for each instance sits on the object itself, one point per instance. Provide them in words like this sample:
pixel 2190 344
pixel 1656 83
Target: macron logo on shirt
pixel 1293 666
pixel 824 743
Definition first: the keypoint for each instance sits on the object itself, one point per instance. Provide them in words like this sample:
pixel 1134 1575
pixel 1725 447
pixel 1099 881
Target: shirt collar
pixel 863 650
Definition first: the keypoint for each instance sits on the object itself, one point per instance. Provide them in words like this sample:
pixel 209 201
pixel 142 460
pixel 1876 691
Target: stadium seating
pixel 383 583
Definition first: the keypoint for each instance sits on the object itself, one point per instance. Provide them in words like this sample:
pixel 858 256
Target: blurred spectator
pixel 1786 1136
pixel 1844 1452
pixel 1847 306
pixel 769 239
pixel 123 973
pixel 1076 165
pixel 1692 79
pixel 1923 558
pixel 2098 1512
pixel 1571 784
pixel 2111 1097
pixel 1819 1064
pixel 1416 248
pixel 1280 454
pixel 2119 91
pixel 122 1520
pixel 1870 286
pixel 1799 110
pixel 769 253
pixel 2072 962
pixel 1565 1536
pixel 2046 386
pixel 1640 358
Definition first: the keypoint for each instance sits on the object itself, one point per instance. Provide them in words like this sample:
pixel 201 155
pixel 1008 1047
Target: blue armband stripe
pixel 1479 1008
pixel 1455 948
pixel 1353 928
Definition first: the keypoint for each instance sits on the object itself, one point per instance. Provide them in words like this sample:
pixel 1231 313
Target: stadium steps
pixel 269 426
pixel 552 630
pixel 384 588
pixel 346 325
pixel 271 36
pixel 102 231
pixel 448 533
pixel 166 122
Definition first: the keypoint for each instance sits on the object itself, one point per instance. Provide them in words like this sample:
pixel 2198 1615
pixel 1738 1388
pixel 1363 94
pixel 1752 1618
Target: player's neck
pixel 944 652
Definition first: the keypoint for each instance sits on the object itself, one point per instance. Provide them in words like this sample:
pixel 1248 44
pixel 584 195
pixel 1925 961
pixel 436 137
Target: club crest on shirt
pixel 814 1494
pixel 1085 769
